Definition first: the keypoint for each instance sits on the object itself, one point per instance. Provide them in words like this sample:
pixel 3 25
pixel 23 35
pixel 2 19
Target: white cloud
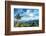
pixel 27 11
pixel 31 14
pixel 30 18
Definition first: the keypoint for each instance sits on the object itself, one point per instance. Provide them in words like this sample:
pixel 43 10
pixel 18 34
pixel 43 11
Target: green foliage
pixel 25 24
pixel 18 25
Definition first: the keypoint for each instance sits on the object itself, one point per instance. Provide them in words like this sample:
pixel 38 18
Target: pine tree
pixel 18 17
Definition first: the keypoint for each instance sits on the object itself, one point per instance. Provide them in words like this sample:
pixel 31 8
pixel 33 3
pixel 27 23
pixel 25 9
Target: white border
pixel 25 28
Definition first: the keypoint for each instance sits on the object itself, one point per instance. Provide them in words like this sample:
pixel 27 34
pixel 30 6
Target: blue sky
pixel 28 14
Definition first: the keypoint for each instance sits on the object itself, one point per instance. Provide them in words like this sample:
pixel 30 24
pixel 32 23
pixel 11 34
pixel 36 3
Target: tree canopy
pixel 18 16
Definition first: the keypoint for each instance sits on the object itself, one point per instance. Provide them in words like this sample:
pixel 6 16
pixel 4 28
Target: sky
pixel 28 14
